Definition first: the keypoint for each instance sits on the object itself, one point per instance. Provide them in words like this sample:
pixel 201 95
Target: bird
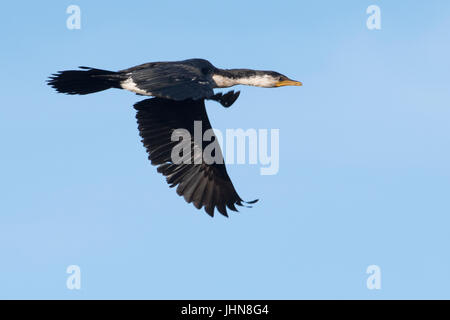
pixel 178 91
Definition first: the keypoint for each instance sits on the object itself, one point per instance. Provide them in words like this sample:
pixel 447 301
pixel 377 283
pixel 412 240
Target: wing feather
pixel 205 185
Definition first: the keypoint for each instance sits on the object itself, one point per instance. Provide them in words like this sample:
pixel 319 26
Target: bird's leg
pixel 226 99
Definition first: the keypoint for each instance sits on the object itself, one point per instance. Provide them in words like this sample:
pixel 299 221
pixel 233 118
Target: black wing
pixel 171 80
pixel 206 185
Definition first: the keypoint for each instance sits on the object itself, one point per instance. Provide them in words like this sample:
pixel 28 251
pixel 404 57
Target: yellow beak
pixel 288 83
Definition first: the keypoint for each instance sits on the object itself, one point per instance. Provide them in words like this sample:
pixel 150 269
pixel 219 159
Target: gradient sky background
pixel 364 154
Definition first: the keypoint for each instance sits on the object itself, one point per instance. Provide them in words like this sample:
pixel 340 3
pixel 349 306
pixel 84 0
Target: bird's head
pixel 268 79
pixel 275 79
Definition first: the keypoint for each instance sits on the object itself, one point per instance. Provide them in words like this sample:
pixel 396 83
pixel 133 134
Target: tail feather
pixel 85 81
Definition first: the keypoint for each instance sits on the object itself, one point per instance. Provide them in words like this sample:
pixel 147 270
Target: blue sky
pixel 364 173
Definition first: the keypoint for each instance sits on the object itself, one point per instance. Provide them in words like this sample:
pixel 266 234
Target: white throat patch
pixel 257 81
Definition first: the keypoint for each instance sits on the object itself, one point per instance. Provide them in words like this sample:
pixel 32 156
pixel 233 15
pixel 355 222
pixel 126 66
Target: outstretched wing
pixel 199 181
pixel 171 80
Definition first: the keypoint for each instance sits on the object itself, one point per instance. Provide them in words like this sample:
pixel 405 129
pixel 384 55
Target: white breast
pixel 223 82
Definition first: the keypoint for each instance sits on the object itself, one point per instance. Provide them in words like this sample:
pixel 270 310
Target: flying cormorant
pixel 179 91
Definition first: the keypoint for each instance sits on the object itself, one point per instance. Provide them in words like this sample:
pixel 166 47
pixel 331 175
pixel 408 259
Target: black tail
pixel 84 81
